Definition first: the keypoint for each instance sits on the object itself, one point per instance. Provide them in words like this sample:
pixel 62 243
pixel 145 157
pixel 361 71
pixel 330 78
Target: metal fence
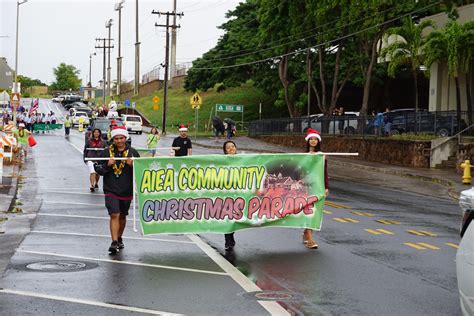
pixel 442 123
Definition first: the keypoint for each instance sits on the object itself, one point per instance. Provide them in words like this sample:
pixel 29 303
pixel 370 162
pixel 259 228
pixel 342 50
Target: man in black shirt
pixel 183 142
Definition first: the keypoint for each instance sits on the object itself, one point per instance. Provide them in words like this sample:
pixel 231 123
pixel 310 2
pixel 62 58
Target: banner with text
pixel 222 194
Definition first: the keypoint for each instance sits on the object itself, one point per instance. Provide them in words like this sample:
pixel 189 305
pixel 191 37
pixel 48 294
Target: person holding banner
pixel 230 148
pixel 118 184
pixel 91 147
pixel 313 145
pixel 183 142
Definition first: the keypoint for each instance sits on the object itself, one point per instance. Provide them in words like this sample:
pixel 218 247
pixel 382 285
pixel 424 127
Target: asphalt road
pixel 384 250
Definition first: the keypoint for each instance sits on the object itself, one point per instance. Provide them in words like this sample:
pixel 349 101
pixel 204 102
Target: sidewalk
pixel 446 178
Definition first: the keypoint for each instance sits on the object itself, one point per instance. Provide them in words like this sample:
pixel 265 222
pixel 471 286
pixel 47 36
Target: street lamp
pixel 16 88
pixel 90 69
pixel 118 7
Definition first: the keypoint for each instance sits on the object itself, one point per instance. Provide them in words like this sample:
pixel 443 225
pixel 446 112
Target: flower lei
pixel 21 133
pixel 117 170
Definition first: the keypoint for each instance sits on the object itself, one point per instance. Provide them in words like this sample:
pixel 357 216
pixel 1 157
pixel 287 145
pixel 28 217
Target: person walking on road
pixel 229 148
pixel 67 125
pixel 117 184
pixel 152 141
pixel 92 150
pixel 183 142
pixel 313 145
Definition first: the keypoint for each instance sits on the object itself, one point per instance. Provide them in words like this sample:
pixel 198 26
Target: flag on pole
pixel 34 107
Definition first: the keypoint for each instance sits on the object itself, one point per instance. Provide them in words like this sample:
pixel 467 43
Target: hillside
pixel 180 111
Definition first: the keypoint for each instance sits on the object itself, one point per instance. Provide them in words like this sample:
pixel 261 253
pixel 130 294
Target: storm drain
pixel 59 266
pixel 273 296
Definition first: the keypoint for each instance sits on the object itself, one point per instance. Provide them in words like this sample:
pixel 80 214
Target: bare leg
pixel 114 226
pixel 123 223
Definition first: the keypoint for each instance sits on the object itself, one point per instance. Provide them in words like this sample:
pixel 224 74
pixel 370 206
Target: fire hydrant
pixel 466 177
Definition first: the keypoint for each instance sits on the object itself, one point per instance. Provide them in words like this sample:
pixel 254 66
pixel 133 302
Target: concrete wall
pixel 145 89
pixel 441 149
pixel 394 152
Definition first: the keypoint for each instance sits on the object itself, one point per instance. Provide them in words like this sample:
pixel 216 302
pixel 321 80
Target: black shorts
pixel 116 206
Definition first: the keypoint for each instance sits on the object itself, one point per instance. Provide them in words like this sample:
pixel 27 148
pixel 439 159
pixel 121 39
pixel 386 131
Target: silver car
pixel 465 254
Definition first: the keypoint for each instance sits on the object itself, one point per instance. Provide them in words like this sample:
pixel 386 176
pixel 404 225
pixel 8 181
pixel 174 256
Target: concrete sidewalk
pixel 447 178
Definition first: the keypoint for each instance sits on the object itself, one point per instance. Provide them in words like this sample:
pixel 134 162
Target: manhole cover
pixel 59 266
pixel 272 296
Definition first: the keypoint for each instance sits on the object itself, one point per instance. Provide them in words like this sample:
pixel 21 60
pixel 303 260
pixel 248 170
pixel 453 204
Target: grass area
pixel 180 112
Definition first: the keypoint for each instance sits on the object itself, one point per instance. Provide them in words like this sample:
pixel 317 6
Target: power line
pixel 320 44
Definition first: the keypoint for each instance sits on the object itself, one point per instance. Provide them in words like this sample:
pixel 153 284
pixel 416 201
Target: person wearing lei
pixel 117 184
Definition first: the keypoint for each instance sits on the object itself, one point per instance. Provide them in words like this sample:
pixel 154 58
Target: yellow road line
pixel 452 245
pixel 421 232
pixel 351 220
pixel 387 222
pixel 385 231
pixel 409 244
pixel 362 213
pixel 327 212
pixel 332 204
pixel 372 231
pixel 340 220
pixel 428 245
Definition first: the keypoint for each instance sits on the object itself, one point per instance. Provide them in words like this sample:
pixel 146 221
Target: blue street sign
pixel 127 103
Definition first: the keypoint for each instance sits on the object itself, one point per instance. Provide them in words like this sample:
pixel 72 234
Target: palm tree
pixel 453 45
pixel 406 50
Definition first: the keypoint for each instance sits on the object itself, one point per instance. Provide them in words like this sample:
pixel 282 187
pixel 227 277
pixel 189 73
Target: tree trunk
pixel 323 82
pixel 283 74
pixel 368 76
pixel 469 99
pixel 335 80
pixel 458 101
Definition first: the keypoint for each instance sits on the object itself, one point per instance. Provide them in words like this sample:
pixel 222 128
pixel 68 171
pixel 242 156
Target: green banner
pixel 46 127
pixel 222 194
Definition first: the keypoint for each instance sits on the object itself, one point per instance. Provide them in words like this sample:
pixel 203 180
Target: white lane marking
pixel 74 216
pixel 87 302
pixel 272 307
pixel 72 203
pixel 158 266
pixel 70 192
pixel 77 148
pixel 107 236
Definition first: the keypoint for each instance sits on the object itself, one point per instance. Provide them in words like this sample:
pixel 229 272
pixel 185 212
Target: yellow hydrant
pixel 466 177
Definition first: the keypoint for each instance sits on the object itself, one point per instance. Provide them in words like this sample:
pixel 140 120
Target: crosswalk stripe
pixel 387 222
pixel 452 245
pixel 428 245
pixel 409 244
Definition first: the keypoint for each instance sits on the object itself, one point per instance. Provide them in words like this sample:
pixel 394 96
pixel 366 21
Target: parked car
pixel 444 124
pixel 465 253
pixel 77 115
pixel 389 116
pixel 71 99
pixel 133 123
pixel 345 124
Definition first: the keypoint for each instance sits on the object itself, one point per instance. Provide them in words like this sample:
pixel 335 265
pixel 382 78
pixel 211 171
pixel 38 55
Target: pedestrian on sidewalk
pixel 117 184
pixel 230 148
pixel 152 141
pixel 21 135
pixel 92 150
pixel 313 145
pixel 183 142
pixel 67 125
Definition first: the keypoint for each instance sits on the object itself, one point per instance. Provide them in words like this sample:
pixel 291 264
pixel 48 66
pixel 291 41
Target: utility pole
pixel 104 47
pixel 167 49
pixel 173 43
pixel 137 53
pixel 108 25
pixel 118 7
pixel 16 87
pixel 89 84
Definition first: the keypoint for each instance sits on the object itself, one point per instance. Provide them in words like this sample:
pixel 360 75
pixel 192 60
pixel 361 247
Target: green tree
pixel 406 49
pixel 454 46
pixel 27 82
pixel 67 77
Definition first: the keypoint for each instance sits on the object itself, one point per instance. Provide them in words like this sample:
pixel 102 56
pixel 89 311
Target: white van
pixel 133 123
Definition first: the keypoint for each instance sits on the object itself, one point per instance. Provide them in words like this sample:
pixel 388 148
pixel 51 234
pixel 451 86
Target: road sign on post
pixel 195 101
pixel 127 103
pixel 133 105
pixel 233 108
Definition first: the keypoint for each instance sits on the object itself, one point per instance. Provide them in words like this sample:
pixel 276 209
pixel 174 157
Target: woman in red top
pixel 313 145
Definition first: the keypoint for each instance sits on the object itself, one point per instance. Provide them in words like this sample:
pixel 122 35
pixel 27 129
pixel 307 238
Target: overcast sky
pixel 52 32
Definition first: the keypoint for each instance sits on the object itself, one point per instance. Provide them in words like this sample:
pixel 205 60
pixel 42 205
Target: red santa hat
pixel 183 128
pixel 312 133
pixel 119 130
